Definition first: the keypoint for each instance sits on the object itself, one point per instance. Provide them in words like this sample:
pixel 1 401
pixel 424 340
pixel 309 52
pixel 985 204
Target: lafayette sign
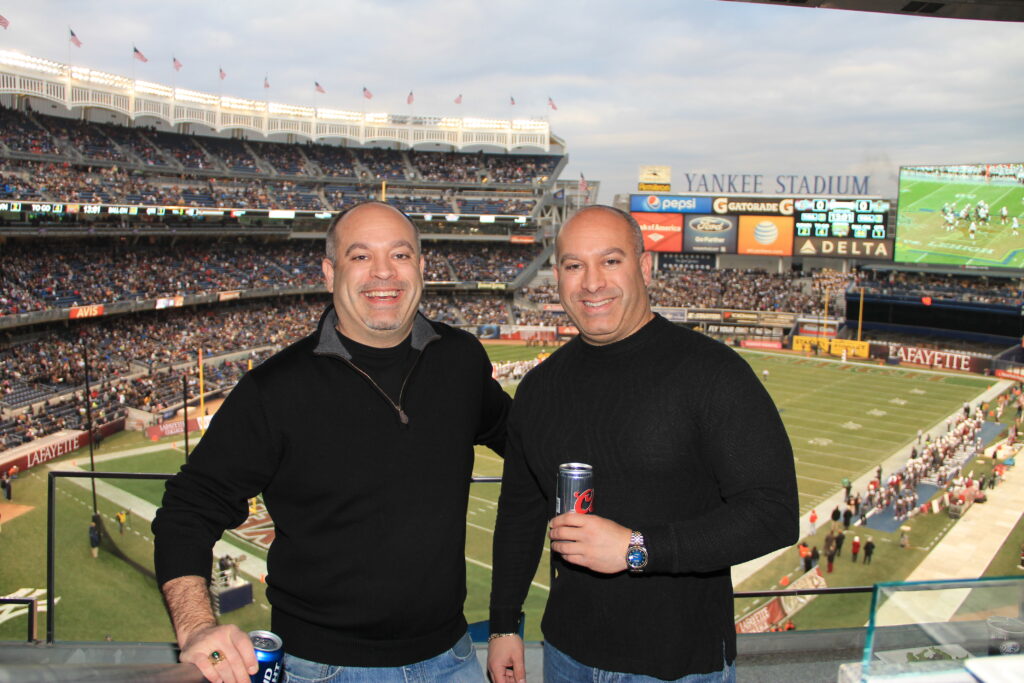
pixel 938 359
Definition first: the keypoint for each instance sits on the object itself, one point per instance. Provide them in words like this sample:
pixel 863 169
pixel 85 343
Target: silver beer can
pixel 575 489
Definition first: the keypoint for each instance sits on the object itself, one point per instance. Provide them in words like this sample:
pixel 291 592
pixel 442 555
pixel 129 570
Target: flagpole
pixel 68 65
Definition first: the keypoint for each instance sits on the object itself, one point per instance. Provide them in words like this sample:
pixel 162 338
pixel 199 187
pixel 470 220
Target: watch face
pixel 636 558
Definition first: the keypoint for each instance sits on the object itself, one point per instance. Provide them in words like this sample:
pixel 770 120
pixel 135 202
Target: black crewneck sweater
pixel 367 567
pixel 687 448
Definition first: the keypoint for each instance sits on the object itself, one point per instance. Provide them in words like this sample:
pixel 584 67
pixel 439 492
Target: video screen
pixel 966 215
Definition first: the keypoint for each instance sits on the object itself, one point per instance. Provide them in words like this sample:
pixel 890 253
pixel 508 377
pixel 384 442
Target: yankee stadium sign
pixel 757 183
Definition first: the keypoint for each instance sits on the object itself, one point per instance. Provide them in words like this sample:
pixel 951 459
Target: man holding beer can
pixel 360 438
pixel 692 472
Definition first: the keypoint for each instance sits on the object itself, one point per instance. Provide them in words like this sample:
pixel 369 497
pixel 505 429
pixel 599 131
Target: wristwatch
pixel 636 553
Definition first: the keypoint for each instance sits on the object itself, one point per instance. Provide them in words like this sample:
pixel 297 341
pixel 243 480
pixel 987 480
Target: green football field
pixel 922 235
pixel 843 419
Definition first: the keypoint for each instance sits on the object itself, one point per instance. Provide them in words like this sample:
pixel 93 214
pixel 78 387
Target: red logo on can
pixel 584 501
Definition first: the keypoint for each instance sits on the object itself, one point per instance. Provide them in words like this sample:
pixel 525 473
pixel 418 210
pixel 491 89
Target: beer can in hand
pixel 269 654
pixel 575 490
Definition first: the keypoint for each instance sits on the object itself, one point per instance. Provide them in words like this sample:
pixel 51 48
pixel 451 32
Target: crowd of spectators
pixel 285 159
pixel 801 293
pixel 461 308
pixel 79 142
pixel 518 168
pixel 333 161
pixel 732 288
pixel 489 262
pixel 445 167
pixel 79 272
pixel 233 153
pixel 381 164
pixel 528 316
pixel 105 270
pixel 182 148
pixel 132 358
pixel 938 461
pixel 20 134
pixel 66 181
pixel 88 139
pixel 110 397
pixel 481 309
pixel 981 290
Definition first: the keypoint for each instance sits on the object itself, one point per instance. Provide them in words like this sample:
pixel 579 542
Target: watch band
pixel 636 553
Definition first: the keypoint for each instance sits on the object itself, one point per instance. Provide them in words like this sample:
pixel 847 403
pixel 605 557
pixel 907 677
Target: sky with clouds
pixel 702 86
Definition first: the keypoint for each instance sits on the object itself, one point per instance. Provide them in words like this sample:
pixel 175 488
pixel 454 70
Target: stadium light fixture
pixel 148 88
pixel 13 58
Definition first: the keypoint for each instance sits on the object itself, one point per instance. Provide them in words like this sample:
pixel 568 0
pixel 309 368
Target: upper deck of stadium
pixel 143 103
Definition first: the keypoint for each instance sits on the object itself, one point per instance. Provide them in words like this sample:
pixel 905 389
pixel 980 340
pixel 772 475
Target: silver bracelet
pixel 499 635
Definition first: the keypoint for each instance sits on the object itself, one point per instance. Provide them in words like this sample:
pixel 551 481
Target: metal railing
pixel 51 526
pixel 33 614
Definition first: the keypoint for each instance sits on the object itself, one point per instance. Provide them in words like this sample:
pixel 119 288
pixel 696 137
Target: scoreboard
pixel 765 225
pixel 862 219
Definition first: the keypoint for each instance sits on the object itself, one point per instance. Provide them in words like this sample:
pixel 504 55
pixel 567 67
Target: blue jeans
pixel 458 665
pixel 561 668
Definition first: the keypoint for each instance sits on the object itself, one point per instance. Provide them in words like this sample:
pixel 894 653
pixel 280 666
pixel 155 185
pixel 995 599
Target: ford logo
pixel 710 224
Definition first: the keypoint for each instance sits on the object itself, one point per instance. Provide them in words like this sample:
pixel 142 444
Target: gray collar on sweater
pixel 329 344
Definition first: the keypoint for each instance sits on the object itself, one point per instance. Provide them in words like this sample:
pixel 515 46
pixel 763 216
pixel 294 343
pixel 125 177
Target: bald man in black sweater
pixel 693 473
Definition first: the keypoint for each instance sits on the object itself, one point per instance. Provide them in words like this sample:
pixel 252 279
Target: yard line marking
pixel 490 568
pixel 491 531
pixel 820 481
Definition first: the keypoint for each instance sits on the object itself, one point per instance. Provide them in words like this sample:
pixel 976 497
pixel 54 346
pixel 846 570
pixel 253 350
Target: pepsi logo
pixel 653 201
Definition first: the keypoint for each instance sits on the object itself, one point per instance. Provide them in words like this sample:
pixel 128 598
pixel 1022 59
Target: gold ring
pixel 216 658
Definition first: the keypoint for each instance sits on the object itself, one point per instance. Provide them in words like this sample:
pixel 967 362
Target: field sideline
pixel 842 418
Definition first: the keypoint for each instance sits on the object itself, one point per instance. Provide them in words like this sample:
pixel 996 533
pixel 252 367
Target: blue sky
pixel 699 85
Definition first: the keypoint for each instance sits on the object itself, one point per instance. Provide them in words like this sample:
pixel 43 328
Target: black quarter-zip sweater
pixel 368 496
pixel 688 449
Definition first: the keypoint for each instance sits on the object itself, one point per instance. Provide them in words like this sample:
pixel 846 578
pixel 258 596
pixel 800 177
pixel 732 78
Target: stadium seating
pixel 89 162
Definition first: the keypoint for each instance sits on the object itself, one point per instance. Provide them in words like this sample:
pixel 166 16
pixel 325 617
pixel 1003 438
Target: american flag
pixel 319 88
pixel 4 22
pixel 176 64
pixel 458 100
pixel 551 103
pixel 583 188
pixel 221 73
pixel 74 39
pixel 512 100
pixel 266 81
pixel 367 94
pixel 138 55
pixel 410 99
